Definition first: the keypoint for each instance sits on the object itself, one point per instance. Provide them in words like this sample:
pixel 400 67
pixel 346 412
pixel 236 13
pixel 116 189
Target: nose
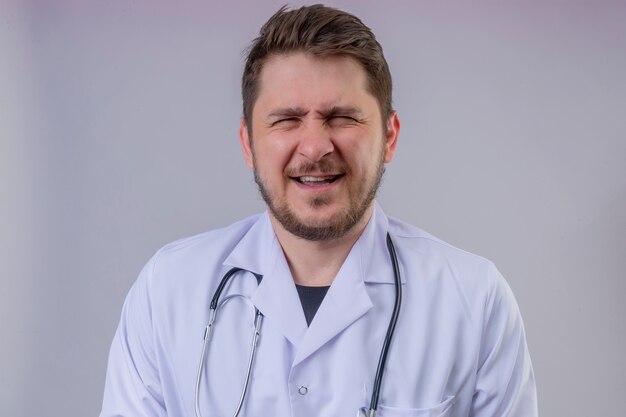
pixel 315 142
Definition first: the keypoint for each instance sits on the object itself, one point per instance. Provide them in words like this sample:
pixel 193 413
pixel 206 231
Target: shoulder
pixel 192 262
pixel 469 280
pixel 173 285
pixel 431 248
pixel 212 244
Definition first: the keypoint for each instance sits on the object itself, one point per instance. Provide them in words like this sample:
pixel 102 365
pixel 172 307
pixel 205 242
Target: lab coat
pixel 459 347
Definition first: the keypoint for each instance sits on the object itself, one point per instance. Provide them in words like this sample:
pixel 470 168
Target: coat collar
pixel 347 299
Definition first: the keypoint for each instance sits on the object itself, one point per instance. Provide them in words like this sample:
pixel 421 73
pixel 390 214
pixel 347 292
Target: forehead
pixel 304 80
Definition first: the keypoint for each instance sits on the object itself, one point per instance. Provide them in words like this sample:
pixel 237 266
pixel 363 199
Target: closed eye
pixel 285 122
pixel 341 121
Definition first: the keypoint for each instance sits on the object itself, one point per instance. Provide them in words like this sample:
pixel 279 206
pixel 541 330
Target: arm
pixel 133 386
pixel 505 383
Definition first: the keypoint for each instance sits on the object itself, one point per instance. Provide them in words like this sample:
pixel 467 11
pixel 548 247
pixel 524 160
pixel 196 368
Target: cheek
pixel 362 154
pixel 273 155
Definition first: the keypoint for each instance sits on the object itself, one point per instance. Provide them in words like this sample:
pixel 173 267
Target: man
pixel 317 129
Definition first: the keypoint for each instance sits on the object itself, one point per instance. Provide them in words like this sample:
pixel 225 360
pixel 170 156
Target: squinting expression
pixel 317 143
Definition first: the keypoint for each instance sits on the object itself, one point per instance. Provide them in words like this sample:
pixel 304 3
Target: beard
pixel 340 223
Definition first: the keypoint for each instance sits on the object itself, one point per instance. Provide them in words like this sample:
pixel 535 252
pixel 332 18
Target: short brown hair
pixel 320 31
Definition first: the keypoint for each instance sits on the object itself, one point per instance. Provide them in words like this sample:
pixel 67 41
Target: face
pixel 317 144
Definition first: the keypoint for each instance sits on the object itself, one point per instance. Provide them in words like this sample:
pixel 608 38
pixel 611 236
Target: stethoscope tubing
pixel 382 361
pixel 208 331
pixel 258 320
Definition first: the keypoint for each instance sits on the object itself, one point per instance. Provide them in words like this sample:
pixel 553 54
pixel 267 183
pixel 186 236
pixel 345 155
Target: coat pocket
pixel 442 409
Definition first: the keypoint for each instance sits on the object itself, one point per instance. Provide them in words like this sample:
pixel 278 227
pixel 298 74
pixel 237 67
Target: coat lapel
pixel 368 263
pixel 345 302
pixel 347 299
pixel 276 297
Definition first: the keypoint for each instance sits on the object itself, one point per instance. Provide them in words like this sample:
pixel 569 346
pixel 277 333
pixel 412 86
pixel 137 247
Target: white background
pixel 118 133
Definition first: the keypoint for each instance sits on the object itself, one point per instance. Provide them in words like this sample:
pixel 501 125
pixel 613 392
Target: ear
pixel 244 141
pixel 391 137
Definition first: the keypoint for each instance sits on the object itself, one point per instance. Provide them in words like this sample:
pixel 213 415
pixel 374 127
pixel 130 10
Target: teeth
pixel 316 179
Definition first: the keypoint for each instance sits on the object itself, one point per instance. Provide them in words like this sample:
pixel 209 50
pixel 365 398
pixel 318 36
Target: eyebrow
pixel 288 112
pixel 342 111
pixel 326 113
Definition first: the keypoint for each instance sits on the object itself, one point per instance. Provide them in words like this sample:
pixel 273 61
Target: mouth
pixel 317 181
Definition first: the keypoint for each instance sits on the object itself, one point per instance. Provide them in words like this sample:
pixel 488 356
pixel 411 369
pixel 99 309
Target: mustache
pixel 323 166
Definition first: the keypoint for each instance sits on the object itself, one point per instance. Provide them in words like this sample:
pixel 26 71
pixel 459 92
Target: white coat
pixel 459 348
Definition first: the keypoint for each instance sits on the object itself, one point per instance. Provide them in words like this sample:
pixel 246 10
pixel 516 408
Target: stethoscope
pixel 258 320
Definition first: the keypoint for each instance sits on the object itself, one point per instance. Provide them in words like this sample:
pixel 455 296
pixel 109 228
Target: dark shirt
pixel 311 298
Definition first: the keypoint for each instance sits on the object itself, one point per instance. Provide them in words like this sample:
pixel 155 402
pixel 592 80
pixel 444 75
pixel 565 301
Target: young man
pixel 317 129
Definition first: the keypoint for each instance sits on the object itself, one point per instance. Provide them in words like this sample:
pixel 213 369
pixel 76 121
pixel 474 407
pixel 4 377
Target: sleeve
pixel 133 386
pixel 505 383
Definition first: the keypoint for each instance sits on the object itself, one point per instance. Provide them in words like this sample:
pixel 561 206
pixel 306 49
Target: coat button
pixel 303 390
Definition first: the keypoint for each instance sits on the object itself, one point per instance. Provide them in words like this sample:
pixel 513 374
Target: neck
pixel 316 263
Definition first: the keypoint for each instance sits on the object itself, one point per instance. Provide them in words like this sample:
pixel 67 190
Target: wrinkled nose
pixel 315 143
